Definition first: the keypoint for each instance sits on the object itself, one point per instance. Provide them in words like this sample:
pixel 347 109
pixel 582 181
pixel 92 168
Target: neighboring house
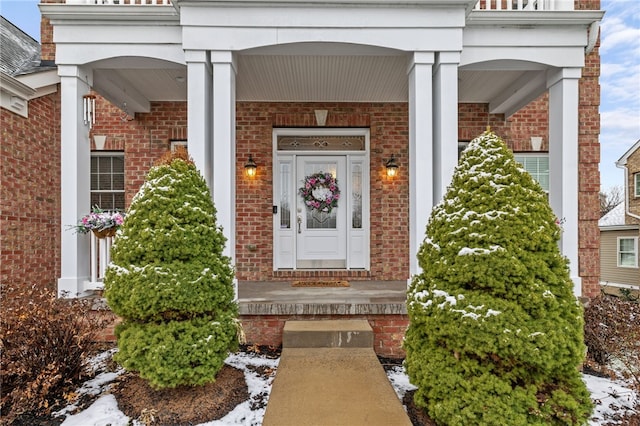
pixel 342 87
pixel 620 230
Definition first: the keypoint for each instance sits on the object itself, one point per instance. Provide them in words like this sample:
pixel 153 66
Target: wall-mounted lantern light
pixel 250 167
pixel 89 110
pixel 392 166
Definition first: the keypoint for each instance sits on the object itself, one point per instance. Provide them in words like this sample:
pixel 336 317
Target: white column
pixel 224 144
pixel 420 151
pixel 75 171
pixel 199 94
pixel 445 121
pixel 563 161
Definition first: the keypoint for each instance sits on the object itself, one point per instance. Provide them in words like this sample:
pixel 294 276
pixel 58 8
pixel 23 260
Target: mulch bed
pixel 183 405
pixel 416 414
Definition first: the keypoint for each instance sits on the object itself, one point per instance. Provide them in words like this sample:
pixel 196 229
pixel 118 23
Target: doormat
pixel 320 284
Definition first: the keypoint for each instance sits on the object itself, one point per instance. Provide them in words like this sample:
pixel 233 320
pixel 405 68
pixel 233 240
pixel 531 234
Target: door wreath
pixel 320 192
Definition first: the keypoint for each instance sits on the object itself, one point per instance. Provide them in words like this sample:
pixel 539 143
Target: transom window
pixel 628 252
pixel 107 180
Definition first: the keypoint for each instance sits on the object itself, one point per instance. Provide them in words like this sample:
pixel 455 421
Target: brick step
pixel 327 334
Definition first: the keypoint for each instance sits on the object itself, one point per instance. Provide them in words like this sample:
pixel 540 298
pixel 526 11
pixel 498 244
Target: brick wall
pixel 30 194
pixel 48 48
pixel 389 197
pixel 516 131
pixel 589 172
pixel 143 138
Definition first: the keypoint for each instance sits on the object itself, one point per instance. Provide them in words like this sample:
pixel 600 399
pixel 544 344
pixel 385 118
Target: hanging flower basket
pixel 102 224
pixel 105 233
pixel 320 192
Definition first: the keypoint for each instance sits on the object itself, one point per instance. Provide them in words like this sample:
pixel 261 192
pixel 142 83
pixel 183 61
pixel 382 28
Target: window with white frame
pixel 636 184
pixel 107 180
pixel 628 252
pixel 537 165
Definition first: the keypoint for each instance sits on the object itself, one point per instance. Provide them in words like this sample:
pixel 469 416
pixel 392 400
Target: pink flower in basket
pixel 100 222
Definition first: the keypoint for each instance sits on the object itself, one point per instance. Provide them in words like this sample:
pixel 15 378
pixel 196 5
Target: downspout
pixel 594 29
pixel 627 196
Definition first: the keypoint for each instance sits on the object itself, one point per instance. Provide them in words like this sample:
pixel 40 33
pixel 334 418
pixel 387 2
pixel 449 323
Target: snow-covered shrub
pixel 170 282
pixel 495 333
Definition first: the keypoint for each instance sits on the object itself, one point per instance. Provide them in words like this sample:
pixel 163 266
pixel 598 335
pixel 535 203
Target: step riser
pixel 327 334
pixel 327 339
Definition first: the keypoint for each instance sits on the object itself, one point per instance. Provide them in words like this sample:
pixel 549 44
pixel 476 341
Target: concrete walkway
pixel 340 383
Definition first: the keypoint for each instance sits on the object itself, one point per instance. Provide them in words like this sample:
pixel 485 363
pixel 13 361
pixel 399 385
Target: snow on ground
pixel 612 397
pixel 104 411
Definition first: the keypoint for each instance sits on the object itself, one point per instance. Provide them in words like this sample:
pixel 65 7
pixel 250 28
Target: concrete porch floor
pixel 360 298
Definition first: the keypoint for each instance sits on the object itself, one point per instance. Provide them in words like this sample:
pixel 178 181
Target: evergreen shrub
pixel 170 282
pixel 495 334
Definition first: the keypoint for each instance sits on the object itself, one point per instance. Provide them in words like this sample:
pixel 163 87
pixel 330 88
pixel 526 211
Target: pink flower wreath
pixel 320 192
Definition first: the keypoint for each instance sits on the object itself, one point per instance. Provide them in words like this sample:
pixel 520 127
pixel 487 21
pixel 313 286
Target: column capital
pixel 224 57
pixel 420 58
pixel 201 56
pixel 554 76
pixel 448 57
pixel 74 71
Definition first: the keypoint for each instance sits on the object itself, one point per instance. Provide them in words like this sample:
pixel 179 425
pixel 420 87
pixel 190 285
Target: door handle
pixel 299 224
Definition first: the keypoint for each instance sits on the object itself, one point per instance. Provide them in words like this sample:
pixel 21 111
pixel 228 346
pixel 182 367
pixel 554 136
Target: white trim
pixel 362 156
pixel 15 95
pixel 636 184
pixel 619 228
pixel 635 251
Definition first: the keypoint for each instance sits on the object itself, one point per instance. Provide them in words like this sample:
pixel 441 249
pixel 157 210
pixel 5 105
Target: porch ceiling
pixel 367 77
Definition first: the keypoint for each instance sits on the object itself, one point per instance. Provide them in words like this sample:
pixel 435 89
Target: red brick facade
pixel 30 194
pixel 30 177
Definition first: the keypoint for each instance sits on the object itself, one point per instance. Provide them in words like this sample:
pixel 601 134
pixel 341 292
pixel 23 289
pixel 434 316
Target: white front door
pixel 305 237
pixel 321 237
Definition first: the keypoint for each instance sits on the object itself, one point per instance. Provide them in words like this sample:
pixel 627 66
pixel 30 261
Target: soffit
pixel 305 78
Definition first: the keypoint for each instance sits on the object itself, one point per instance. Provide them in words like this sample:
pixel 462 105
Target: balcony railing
pixel 123 2
pixel 100 258
pixel 526 5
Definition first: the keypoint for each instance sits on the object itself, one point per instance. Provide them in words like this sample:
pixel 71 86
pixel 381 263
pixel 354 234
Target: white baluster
pixel 103 256
pixel 94 259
